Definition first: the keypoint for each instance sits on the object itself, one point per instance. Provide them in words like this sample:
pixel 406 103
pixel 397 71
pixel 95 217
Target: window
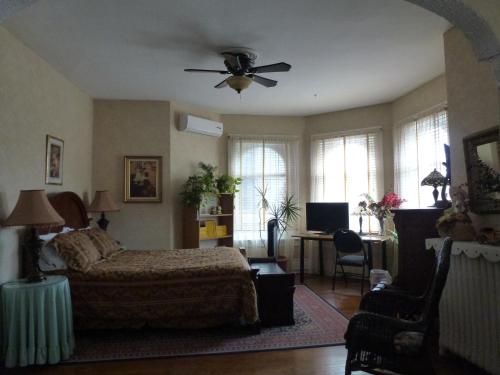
pixel 418 149
pixel 343 167
pixel 269 163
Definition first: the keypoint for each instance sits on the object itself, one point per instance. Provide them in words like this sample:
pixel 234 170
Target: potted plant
pixel 198 186
pixel 285 213
pixel 227 184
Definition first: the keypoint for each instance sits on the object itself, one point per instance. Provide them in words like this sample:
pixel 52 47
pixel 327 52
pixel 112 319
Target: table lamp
pixel 103 202
pixel 434 179
pixel 33 210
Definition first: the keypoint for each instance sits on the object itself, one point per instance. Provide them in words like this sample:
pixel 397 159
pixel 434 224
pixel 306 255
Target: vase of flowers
pixel 382 209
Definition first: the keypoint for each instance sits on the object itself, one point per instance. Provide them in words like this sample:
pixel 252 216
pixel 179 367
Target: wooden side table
pixel 37 322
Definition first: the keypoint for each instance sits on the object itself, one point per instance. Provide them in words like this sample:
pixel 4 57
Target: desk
pixel 37 322
pixel 369 239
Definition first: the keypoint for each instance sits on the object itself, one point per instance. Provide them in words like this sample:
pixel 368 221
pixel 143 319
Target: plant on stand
pixel 199 186
pixel 227 184
pixel 205 184
pixel 382 209
pixel 285 212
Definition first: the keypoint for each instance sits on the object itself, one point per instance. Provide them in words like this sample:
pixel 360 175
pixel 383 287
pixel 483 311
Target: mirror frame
pixel 477 204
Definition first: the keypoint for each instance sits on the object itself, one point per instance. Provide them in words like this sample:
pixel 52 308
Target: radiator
pixel 469 311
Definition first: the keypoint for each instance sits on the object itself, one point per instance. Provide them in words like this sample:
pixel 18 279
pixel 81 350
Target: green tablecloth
pixel 37 322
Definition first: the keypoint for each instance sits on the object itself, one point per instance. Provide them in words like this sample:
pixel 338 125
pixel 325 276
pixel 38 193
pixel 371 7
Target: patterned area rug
pixel 317 323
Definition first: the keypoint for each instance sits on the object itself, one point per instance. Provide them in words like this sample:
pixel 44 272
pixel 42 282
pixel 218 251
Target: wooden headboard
pixel 71 208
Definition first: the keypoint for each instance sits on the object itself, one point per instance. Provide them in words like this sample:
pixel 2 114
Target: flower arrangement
pixel 382 209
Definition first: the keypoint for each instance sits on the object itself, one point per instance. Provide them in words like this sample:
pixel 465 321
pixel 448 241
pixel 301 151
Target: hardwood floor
pixel 315 361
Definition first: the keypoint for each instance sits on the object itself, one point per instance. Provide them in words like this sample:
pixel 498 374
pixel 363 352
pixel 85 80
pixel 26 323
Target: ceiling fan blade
pixel 206 71
pixel 263 81
pixel 221 85
pixel 279 67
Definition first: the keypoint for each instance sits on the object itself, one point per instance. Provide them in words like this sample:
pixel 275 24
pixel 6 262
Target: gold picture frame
pixel 142 182
pixel 54 157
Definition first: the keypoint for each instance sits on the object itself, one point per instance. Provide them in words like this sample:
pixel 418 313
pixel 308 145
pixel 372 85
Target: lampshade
pixel 238 83
pixel 33 208
pixel 103 202
pixel 435 178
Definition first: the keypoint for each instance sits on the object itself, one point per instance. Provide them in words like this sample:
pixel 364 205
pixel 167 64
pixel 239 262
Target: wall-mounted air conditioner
pixel 193 124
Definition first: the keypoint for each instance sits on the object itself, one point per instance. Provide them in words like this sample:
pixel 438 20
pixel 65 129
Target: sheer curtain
pixel 345 166
pixel 265 163
pixel 418 149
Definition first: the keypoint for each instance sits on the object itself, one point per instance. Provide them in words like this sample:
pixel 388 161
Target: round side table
pixel 37 322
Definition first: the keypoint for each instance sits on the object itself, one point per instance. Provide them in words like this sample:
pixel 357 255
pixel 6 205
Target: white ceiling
pixel 344 53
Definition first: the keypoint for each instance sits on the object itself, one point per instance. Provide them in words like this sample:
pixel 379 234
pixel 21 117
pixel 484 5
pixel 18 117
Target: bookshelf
pixel 194 220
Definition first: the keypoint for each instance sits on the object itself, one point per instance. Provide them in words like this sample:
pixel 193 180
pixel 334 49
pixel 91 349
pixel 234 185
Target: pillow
pixel 103 242
pixel 50 259
pixel 77 249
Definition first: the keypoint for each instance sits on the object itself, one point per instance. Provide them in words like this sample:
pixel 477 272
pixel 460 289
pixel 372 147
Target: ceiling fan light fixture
pixel 238 83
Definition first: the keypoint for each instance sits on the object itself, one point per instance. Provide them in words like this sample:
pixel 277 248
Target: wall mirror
pixel 482 158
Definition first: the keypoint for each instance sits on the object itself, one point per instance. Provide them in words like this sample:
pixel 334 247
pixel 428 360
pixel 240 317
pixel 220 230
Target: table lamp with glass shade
pixel 33 210
pixel 103 202
pixel 434 179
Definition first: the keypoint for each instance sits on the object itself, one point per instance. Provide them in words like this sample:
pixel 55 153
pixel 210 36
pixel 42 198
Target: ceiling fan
pixel 239 64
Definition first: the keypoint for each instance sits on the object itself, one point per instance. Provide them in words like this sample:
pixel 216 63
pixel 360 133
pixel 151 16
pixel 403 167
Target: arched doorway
pixel 465 17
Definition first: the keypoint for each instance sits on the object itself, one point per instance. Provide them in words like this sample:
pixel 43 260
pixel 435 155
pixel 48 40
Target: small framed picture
pixel 54 154
pixel 142 179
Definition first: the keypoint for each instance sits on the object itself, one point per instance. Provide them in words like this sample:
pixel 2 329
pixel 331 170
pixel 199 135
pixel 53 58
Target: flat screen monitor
pixel 327 217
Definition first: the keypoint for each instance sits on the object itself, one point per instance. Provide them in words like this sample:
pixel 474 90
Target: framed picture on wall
pixel 142 179
pixel 54 155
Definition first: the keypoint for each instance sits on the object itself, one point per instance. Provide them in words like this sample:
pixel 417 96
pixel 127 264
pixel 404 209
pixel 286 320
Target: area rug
pixel 317 324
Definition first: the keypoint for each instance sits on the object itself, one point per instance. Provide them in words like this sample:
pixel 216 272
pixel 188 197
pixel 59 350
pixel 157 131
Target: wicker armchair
pixel 393 334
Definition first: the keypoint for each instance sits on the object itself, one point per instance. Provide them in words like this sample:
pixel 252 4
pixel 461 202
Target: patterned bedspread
pixel 188 288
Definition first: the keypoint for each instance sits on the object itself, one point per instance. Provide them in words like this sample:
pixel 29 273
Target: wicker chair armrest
pixel 392 303
pixel 374 332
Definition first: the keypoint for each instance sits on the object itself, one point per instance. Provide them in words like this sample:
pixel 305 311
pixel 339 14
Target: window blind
pixel 418 149
pixel 265 163
pixel 346 166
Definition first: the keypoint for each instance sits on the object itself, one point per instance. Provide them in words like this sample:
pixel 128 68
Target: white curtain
pixel 345 166
pixel 418 149
pixel 269 163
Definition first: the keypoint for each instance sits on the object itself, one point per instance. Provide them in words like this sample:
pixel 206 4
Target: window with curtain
pixel 418 149
pixel 265 163
pixel 346 166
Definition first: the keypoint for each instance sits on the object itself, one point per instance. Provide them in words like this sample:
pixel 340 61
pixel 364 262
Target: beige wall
pixel 35 100
pixel 423 99
pixel 133 128
pixel 473 103
pixel 187 150
pixel 359 118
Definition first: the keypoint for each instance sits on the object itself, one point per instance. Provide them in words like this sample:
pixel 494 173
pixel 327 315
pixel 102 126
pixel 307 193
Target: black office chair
pixel 349 251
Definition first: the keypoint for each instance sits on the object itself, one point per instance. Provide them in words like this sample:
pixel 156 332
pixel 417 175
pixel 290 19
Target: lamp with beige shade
pixel 33 210
pixel 103 202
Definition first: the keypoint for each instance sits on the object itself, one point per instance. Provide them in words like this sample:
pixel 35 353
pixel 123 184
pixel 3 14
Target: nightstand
pixel 37 322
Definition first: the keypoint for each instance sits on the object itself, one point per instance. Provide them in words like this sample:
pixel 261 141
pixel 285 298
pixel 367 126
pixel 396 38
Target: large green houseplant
pixel 206 183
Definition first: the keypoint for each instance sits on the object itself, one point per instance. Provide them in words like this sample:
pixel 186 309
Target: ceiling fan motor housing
pixel 238 62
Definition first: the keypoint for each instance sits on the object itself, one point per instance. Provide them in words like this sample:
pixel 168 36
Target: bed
pixel 181 288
